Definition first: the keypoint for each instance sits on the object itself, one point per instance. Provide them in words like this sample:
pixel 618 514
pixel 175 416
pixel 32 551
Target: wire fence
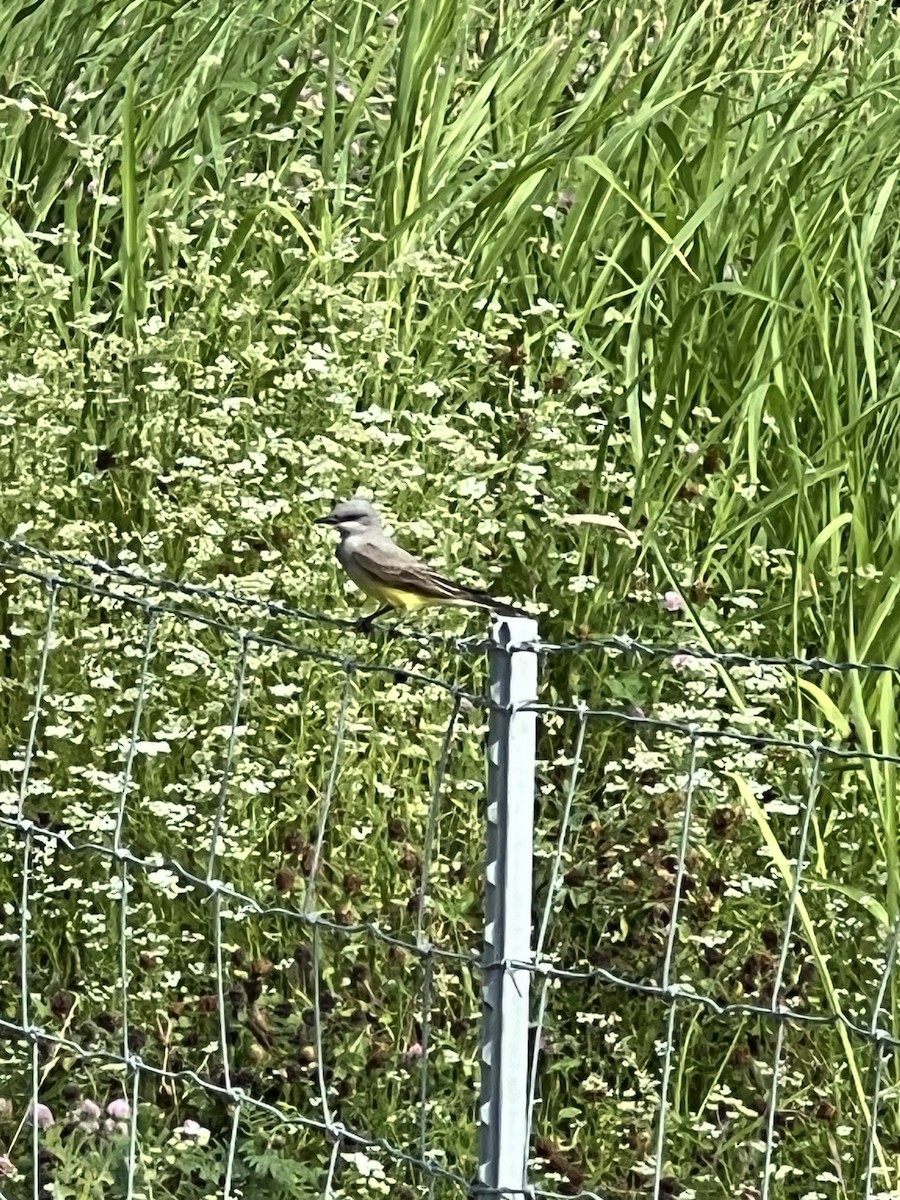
pixel 243 889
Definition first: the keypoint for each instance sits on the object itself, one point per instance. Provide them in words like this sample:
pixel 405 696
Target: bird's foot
pixel 364 624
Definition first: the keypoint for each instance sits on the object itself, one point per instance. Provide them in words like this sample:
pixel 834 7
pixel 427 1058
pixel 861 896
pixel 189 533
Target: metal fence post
pixel 503 1117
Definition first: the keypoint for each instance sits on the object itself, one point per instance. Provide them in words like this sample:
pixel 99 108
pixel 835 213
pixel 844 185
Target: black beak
pixel 329 520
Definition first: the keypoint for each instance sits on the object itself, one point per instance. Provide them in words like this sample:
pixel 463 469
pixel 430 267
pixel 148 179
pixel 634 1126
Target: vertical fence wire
pixel 553 883
pixel 325 806
pixel 26 829
pixel 119 851
pixel 882 1052
pixel 422 941
pixel 666 977
pixel 812 793
pixel 234 717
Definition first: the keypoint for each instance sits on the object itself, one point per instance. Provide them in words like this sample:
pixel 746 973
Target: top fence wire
pixel 242 883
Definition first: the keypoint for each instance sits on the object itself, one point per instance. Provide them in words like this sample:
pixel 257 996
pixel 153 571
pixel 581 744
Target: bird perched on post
pixel 383 570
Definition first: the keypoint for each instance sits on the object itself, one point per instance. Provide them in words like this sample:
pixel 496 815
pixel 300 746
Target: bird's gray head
pixel 352 516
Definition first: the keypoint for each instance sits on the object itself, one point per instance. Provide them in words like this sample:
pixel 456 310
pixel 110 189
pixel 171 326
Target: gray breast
pixel 347 558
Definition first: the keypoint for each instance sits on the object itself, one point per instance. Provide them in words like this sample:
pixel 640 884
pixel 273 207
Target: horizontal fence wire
pixel 735 658
pixel 19 553
pixel 36 840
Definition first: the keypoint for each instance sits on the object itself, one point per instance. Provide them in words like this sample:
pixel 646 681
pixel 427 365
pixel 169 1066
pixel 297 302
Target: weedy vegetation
pixel 498 265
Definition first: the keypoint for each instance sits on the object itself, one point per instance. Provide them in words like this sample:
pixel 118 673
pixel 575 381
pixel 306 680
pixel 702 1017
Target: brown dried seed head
pixel 294 842
pixel 741 1056
pixel 62 1003
pixel 378 1057
pixel 409 860
pixel 724 819
pixel 640 1141
pixel 285 880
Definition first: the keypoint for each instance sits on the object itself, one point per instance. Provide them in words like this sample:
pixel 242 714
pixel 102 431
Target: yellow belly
pixel 409 601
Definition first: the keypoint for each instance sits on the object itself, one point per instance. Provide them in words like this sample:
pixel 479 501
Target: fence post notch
pixel 504 1133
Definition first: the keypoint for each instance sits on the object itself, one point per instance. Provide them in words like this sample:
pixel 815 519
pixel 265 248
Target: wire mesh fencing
pixel 726 1006
pixel 242 854
pixel 236 933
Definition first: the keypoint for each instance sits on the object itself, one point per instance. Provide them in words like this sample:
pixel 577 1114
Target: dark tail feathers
pixel 502 610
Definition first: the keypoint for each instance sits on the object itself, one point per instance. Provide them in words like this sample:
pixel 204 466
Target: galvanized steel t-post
pixel 503 1116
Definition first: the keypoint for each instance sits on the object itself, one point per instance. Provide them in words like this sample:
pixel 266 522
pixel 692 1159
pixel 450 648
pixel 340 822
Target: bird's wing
pixel 394 567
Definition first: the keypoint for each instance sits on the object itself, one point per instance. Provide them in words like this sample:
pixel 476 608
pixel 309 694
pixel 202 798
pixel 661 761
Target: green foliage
pixel 496 265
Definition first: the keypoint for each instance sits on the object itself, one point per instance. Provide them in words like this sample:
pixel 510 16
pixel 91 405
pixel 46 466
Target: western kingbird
pixel 392 575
